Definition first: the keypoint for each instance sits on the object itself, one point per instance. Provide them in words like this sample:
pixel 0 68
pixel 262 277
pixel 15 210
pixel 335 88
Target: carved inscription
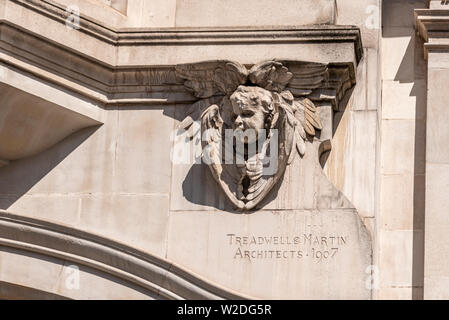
pixel 317 247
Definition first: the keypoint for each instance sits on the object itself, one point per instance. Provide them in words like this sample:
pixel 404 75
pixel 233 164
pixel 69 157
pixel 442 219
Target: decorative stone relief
pixel 254 122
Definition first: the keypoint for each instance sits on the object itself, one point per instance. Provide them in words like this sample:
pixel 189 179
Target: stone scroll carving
pixel 253 122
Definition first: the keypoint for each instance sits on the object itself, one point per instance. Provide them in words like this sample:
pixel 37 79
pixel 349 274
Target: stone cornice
pixel 148 272
pixel 131 68
pixel 167 36
pixel 433 26
pixel 110 85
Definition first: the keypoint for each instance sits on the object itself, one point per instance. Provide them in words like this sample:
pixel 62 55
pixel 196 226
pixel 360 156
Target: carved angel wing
pixel 287 80
pixel 210 78
pixel 211 127
pixel 301 120
pixel 194 113
pixel 311 118
pixel 296 117
pixel 270 75
pixel 307 76
pixel 300 78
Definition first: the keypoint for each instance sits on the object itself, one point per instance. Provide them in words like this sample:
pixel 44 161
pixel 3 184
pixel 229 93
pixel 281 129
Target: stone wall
pixel 402 171
pixel 117 180
pixel 381 149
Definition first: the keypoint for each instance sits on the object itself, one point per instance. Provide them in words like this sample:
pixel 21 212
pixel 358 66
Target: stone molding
pixel 433 26
pixel 106 82
pixel 110 83
pixel 164 36
pixel 120 79
pixel 122 85
pixel 150 273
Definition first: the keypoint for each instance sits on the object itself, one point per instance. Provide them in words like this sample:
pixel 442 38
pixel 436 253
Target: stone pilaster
pixel 433 26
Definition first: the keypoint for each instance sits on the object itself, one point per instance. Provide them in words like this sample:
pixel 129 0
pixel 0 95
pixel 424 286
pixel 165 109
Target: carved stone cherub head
pixel 252 109
pixel 251 101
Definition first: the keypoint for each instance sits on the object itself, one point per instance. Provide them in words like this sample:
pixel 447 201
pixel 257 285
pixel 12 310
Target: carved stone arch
pixel 10 291
pixel 34 251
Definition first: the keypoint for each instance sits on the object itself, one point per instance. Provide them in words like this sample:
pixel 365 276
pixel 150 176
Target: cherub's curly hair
pixel 263 96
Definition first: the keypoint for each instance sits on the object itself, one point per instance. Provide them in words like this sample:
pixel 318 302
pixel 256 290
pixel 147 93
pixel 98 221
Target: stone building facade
pixel 111 110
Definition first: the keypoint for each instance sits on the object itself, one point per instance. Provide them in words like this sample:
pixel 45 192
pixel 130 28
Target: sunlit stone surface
pixel 104 188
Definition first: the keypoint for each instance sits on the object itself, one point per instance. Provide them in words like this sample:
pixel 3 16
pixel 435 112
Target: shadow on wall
pixel 200 175
pixel 10 291
pixel 199 179
pixel 20 176
pixel 413 70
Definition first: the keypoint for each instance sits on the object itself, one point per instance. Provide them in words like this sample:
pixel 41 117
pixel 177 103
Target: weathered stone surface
pixel 55 277
pixel 271 112
pixel 437 182
pixel 401 168
pixel 363 13
pixel 118 180
pixel 437 128
pixel 351 165
pixel 373 79
pixel 303 186
pixel 206 243
pixel 403 100
pixel 143 142
pixel 396 203
pixel 30 124
pixel 399 249
pixel 397 149
pixel 304 202
pixel 147 14
pixel 397 13
pixel 200 13
pixel 398 54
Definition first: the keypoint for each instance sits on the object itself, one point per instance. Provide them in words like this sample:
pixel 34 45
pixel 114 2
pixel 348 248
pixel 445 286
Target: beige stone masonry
pixel 93 182
pixel 433 26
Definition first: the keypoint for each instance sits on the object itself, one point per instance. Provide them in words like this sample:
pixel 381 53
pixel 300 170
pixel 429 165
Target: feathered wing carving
pixel 211 128
pixel 296 118
pixel 301 120
pixel 299 77
pixel 213 153
pixel 270 75
pixel 194 114
pixel 312 119
pixel 210 78
pixel 291 82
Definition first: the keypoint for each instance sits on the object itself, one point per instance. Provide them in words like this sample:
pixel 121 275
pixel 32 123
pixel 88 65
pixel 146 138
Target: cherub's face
pixel 250 109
